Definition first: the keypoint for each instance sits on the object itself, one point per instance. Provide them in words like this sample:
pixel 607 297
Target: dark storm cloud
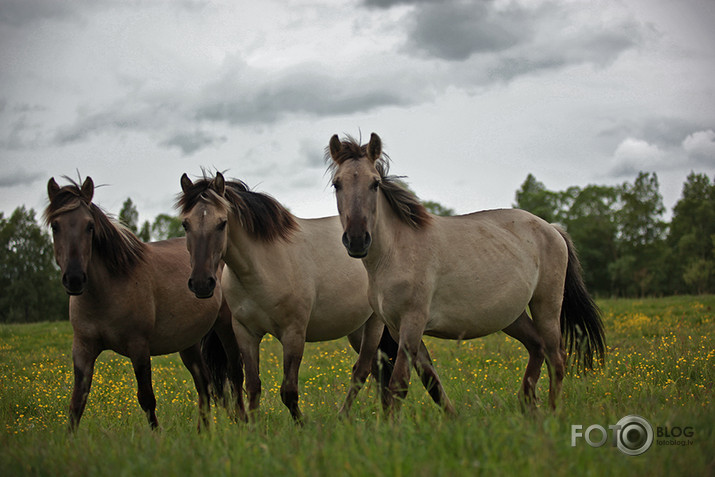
pixel 190 142
pixel 19 177
pixel 19 13
pixel 513 39
pixel 464 29
pixel 23 12
pixel 268 97
pixel 392 3
pixel 241 96
pixel 462 44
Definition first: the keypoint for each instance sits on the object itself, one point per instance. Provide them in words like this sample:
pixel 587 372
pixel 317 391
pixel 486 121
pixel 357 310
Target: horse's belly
pixel 182 325
pixel 326 326
pixel 465 313
pixel 452 324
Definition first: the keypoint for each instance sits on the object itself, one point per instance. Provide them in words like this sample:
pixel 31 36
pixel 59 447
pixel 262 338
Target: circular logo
pixel 634 435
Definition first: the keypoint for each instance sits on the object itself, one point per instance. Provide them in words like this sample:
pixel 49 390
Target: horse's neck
pixel 100 281
pixel 244 254
pixel 388 227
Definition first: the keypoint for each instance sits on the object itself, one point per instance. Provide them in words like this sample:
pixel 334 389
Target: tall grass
pixel 660 365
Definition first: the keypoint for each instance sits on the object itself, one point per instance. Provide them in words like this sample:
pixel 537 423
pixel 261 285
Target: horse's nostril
pixel 191 284
pixel 212 283
pixel 346 240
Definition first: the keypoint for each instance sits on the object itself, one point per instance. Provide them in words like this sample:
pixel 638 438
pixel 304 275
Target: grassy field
pixel 661 365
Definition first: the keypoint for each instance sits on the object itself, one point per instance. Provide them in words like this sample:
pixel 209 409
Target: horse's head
pixel 356 181
pixel 204 216
pixel 72 224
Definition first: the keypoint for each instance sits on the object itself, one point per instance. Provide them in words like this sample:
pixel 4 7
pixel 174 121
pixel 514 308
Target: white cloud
pixel 634 155
pixel 701 146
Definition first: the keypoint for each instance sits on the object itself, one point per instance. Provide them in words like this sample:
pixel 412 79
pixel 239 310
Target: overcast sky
pixel 468 96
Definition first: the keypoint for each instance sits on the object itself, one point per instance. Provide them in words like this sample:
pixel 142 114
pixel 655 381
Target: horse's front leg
pixel 193 361
pixel 371 333
pixel 411 330
pixel 141 362
pixel 84 355
pixel 293 341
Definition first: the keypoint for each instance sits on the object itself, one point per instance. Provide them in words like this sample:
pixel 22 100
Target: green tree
pixel 29 278
pixel 641 237
pixel 145 232
pixel 691 232
pixel 537 199
pixel 166 226
pixel 437 209
pixel 129 215
pixel 591 223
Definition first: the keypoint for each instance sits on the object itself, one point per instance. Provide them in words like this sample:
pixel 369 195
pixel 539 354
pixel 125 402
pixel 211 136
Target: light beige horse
pixel 285 276
pixel 462 277
pixel 130 297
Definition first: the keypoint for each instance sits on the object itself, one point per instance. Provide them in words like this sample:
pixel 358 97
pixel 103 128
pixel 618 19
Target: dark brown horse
pixel 131 297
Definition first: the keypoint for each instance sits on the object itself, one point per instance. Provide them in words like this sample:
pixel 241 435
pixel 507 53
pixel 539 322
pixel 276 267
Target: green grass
pixel 661 365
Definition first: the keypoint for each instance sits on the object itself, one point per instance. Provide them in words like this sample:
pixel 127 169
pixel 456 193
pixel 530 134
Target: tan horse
pixel 462 277
pixel 130 297
pixel 285 276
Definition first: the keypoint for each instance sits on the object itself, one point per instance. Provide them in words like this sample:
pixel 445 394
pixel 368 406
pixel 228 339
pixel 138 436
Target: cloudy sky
pixel 468 96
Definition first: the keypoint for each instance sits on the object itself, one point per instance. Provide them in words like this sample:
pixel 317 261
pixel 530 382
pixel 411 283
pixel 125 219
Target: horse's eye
pixel 185 225
pixel 90 227
pixel 375 185
pixel 337 186
pixel 55 227
pixel 222 226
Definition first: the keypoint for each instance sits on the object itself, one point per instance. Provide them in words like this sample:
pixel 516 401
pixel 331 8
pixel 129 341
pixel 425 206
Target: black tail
pixel 217 363
pixel 581 325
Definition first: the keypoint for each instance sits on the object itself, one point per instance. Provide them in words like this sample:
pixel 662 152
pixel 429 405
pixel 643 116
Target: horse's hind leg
pixel 228 339
pixel 193 361
pixel 367 350
pixel 84 356
pixel 547 321
pixel 430 379
pixel 141 362
pixel 249 344
pixel 523 329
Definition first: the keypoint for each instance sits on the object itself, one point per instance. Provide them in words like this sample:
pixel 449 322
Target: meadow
pixel 660 365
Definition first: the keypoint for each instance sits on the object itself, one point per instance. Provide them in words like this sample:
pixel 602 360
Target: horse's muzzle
pixel 74 283
pixel 357 246
pixel 203 288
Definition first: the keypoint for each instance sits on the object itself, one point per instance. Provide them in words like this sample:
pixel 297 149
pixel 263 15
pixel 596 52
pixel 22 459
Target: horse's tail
pixel 581 325
pixel 216 362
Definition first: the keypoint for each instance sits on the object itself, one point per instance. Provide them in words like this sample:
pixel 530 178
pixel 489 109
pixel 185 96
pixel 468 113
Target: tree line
pixel 625 245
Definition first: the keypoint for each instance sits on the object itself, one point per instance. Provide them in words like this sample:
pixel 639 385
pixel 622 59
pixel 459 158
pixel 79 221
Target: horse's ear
pixel 87 190
pixel 335 147
pixel 219 184
pixel 185 182
pixel 52 188
pixel 374 147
